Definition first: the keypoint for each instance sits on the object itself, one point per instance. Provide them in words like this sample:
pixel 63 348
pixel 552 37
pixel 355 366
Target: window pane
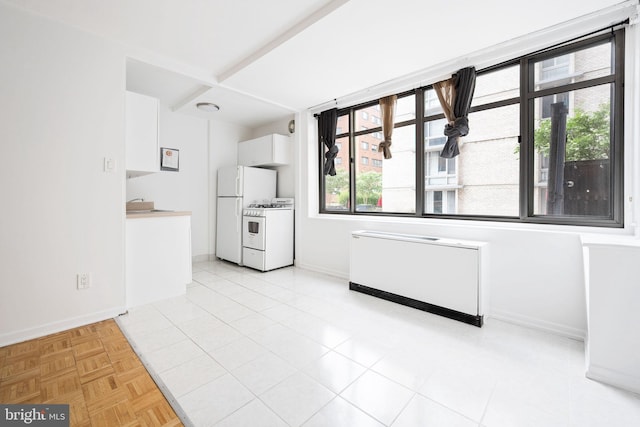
pixel 437 202
pixel 342 125
pixel 387 185
pixel 434 133
pixel 405 109
pixel 573 67
pixel 431 103
pixel 483 179
pixel 371 117
pixel 497 86
pixel 368 118
pixel 440 202
pixel 572 147
pixel 337 187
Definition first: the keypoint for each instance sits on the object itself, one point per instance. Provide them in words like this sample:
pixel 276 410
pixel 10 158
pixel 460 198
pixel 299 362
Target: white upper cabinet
pixel 141 134
pixel 269 150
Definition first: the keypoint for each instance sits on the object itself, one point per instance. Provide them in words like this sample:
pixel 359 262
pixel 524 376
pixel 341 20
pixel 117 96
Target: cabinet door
pixel 142 133
pixel 281 149
pixel 256 152
pixel 269 150
pixel 158 258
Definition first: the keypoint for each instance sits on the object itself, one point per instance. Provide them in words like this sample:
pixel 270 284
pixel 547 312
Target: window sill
pixel 609 240
pixel 587 233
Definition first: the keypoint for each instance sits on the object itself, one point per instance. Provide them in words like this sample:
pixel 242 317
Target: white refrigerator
pixel 238 187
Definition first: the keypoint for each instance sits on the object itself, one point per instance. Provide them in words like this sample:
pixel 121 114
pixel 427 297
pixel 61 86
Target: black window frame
pixel 525 100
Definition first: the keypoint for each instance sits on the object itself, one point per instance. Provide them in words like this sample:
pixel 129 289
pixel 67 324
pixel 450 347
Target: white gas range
pixel 267 235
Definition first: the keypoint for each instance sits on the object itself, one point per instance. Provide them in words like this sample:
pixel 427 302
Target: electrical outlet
pixel 84 280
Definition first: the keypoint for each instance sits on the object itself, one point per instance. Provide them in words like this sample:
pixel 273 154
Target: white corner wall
pixel 188 189
pixel 61 114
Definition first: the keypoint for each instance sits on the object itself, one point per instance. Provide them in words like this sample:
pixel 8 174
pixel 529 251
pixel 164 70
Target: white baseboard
pixel 202 258
pixel 59 326
pixel 614 378
pixel 313 267
pixel 543 325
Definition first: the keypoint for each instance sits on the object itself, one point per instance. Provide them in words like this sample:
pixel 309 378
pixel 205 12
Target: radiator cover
pixel 441 276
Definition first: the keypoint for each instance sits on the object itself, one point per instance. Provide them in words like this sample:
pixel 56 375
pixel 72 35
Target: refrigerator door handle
pixel 238 214
pixel 237 185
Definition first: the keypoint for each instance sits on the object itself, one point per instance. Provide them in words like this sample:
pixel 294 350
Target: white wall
pixel 61 114
pixel 188 189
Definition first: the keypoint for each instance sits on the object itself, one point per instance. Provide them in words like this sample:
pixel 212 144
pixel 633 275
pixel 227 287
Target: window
pixel 441 202
pixel 385 186
pixel 548 152
pixel 364 118
pixel 336 187
pixel 554 69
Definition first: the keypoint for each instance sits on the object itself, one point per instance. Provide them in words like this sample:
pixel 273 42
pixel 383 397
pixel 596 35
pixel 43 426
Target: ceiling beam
pixel 282 38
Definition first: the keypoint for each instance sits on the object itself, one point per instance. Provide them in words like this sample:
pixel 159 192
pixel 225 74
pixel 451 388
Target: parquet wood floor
pixel 93 369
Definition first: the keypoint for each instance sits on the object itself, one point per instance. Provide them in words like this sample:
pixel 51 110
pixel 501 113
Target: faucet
pixel 136 199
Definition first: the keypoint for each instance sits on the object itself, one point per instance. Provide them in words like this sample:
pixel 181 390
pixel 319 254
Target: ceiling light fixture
pixel 208 107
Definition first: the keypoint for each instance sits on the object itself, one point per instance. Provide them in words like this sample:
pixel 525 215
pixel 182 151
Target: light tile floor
pixel 293 347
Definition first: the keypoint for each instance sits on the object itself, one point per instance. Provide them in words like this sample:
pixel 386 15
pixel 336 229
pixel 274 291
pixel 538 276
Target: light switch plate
pixel 109 164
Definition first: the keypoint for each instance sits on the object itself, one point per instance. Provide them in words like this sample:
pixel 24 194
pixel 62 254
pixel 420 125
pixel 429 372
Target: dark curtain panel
pixel 388 109
pixel 327 128
pixel 464 86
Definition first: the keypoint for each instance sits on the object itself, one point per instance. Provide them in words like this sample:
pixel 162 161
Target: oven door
pixel 253 233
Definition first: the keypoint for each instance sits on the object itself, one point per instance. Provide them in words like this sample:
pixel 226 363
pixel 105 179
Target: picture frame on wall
pixel 169 159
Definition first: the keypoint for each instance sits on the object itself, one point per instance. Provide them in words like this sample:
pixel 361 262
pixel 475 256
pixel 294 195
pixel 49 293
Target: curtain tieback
pixel 460 127
pixel 329 165
pixel 331 153
pixel 385 147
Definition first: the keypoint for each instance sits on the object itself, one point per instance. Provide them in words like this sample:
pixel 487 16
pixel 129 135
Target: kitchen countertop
pixel 155 214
